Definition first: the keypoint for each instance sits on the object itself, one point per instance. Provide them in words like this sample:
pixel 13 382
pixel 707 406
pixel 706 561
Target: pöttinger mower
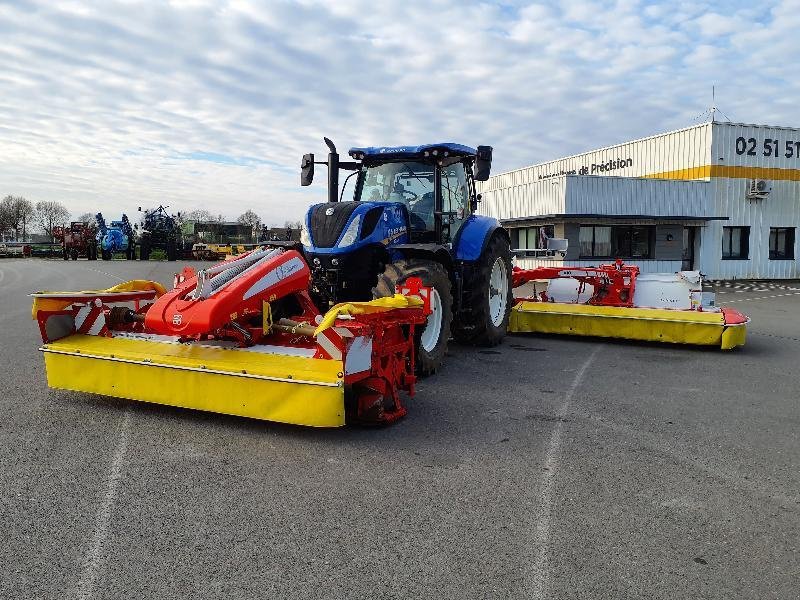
pixel 243 338
pixel 615 301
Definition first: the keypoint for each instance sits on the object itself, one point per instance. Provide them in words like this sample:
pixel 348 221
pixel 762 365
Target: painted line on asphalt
pixel 540 573
pixel 106 274
pixel 764 297
pixel 94 560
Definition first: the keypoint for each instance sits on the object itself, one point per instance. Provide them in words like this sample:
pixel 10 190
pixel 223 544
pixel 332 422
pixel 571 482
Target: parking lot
pixel 545 468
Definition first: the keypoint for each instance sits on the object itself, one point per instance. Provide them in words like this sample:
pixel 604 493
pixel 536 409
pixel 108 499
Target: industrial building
pixel 721 198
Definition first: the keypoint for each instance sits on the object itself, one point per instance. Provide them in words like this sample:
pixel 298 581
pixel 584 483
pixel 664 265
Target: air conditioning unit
pixel 558 245
pixel 758 189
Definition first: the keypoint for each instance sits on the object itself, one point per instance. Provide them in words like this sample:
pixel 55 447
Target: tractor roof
pixel 389 152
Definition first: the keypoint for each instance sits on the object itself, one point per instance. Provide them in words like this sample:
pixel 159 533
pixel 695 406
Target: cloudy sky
pixel 210 104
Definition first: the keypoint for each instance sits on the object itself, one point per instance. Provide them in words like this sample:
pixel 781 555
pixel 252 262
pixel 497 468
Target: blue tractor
pixel 116 237
pixel 412 215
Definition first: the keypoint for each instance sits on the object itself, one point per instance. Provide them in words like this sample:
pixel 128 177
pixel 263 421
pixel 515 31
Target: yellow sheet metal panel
pixel 287 389
pixel 733 337
pixel 653 314
pixel 678 327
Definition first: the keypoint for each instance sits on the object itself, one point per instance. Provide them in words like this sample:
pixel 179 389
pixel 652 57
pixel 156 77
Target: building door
pixel 689 234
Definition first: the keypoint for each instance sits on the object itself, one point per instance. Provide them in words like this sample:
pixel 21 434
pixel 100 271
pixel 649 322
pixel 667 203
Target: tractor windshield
pixel 411 183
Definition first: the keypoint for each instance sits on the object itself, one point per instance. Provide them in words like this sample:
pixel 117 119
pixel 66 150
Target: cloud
pixel 211 104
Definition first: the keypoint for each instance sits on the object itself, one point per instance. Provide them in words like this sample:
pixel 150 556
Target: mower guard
pixel 236 381
pixel 725 328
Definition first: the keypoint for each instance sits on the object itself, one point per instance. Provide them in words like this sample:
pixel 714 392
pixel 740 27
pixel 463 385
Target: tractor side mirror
pixel 483 163
pixel 307 170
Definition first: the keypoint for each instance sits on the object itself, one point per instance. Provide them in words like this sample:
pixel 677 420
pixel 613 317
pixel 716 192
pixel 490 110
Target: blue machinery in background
pixel 116 237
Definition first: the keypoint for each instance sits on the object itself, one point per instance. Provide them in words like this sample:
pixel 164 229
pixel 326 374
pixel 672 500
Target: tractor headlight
pixel 351 233
pixel 305 239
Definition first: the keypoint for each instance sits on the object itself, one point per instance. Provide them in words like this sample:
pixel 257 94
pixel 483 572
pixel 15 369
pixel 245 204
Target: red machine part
pixel 613 284
pixel 376 348
pixel 377 391
pixel 228 292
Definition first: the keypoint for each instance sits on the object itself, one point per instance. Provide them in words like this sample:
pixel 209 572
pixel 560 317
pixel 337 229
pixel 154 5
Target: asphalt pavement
pixel 545 468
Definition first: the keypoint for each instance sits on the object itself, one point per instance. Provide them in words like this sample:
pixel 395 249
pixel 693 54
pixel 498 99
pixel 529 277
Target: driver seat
pixel 423 225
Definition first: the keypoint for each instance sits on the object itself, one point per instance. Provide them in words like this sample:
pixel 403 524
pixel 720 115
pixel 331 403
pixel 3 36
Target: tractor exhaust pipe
pixel 333 172
pixel 333 164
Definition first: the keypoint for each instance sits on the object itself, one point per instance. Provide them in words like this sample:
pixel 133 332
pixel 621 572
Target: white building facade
pixel 722 198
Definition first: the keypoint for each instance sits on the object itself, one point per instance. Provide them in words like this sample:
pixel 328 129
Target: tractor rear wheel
pixel 74 254
pixel 431 339
pixel 91 252
pixel 488 297
pixel 105 254
pixel 65 252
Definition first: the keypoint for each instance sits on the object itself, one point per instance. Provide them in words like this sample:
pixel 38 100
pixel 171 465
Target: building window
pixel 616 241
pixel 532 238
pixel 735 243
pixel 781 243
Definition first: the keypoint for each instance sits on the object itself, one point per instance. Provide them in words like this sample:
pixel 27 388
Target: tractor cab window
pixel 455 199
pixel 411 183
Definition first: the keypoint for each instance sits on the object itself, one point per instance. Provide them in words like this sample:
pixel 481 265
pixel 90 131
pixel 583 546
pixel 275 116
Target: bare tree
pixel 49 214
pixel 16 213
pixel 6 219
pixel 199 215
pixel 293 224
pixel 252 220
pixel 88 218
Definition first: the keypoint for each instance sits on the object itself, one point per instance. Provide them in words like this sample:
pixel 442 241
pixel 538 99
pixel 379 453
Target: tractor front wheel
pixel 432 338
pixel 488 297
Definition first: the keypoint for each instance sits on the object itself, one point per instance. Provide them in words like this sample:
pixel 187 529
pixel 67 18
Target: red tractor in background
pixel 77 239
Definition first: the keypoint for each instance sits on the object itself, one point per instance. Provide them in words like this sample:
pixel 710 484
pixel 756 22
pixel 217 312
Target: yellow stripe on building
pixel 731 172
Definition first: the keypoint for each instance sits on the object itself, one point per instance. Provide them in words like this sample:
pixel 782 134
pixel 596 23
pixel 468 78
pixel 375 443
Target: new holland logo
pixel 328 211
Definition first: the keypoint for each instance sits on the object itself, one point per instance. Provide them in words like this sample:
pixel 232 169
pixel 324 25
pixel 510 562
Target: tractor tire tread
pixel 476 327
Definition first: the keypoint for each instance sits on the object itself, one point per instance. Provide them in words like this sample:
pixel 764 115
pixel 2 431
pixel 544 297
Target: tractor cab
pixel 435 183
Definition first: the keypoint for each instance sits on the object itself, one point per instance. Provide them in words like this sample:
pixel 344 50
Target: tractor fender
pixel 474 235
pixel 436 252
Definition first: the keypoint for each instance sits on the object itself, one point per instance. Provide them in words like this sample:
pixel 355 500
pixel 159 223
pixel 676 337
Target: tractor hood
pixel 354 224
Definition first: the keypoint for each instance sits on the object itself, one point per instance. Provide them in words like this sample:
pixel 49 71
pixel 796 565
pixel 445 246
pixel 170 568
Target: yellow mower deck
pixel 275 387
pixel 647 324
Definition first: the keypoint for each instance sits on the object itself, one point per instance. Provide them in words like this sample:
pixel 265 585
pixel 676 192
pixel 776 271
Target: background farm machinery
pixel 159 230
pixel 77 239
pixel 119 236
